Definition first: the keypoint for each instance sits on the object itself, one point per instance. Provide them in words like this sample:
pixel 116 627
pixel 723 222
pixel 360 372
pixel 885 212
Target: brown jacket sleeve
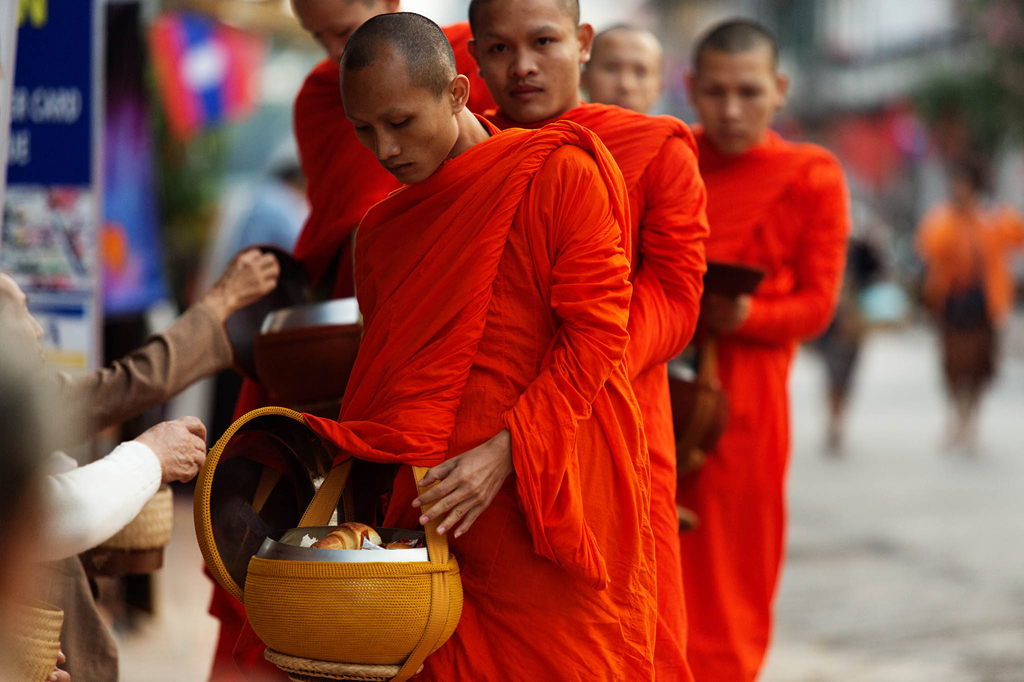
pixel 195 347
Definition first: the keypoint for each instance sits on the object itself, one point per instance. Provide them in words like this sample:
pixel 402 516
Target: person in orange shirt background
pixel 530 53
pixel 966 248
pixel 783 208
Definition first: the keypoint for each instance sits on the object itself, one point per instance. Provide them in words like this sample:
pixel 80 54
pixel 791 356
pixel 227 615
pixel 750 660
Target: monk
pixel 781 207
pixel 495 293
pixel 344 181
pixel 530 53
pixel 625 69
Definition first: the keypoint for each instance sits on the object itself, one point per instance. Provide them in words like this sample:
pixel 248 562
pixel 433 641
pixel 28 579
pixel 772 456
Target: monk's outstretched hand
pixel 467 484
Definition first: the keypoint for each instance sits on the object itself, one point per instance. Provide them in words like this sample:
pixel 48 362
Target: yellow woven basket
pixel 151 529
pixel 377 614
pixel 37 640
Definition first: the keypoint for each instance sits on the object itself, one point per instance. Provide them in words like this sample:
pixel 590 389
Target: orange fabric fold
pixel 424 310
pixel 658 159
pixel 781 207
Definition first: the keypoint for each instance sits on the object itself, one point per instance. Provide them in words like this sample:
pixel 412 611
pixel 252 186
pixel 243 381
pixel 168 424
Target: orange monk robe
pixel 784 208
pixel 959 248
pixel 344 179
pixel 495 296
pixel 658 159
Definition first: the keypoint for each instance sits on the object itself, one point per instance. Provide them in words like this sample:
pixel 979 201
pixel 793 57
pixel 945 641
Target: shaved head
pixel 417 40
pixel 570 7
pixel 736 36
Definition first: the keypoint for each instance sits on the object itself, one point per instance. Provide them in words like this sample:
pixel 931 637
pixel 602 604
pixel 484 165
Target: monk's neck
pixel 544 121
pixel 471 132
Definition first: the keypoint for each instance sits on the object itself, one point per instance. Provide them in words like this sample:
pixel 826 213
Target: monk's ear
pixel 458 92
pixel 585 35
pixel 690 80
pixel 392 6
pixel 474 52
pixel 782 87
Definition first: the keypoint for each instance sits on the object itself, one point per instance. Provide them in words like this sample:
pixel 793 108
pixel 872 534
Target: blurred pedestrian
pixel 965 246
pixel 782 208
pixel 841 343
pixel 625 69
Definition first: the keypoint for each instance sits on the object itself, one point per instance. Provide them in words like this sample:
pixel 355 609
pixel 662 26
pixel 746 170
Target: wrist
pixel 219 304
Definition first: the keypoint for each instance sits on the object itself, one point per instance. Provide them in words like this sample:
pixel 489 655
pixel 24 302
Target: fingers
pixel 438 473
pixel 195 426
pixel 459 512
pixel 449 501
pixel 473 514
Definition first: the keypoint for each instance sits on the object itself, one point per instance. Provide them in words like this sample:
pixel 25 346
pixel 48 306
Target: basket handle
pixel 320 510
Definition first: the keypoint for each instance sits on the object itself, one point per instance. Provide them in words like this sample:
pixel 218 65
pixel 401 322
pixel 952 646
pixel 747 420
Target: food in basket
pixel 404 544
pixel 348 535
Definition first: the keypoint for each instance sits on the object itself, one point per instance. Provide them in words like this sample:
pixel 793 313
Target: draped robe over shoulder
pixel 496 296
pixel 344 179
pixel 658 158
pixel 781 207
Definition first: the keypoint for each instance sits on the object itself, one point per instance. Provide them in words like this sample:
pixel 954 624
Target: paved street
pixel 906 563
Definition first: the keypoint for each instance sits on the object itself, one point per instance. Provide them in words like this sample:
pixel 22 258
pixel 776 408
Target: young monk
pixel 344 181
pixel 781 207
pixel 530 52
pixel 495 293
pixel 625 69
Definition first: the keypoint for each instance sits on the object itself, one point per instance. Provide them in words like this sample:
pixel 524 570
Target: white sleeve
pixel 88 505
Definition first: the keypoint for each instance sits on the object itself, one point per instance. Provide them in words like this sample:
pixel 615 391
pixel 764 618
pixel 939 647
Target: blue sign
pixel 52 105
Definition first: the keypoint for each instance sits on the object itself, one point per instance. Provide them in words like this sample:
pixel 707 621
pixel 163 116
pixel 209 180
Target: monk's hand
pixel 724 313
pixel 466 484
pixel 249 276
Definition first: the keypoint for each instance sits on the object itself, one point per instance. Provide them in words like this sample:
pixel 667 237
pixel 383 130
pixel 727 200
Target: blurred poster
pixel 51 208
pixel 131 252
pixel 8 39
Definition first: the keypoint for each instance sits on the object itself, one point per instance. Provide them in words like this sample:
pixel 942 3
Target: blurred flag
pixel 206 72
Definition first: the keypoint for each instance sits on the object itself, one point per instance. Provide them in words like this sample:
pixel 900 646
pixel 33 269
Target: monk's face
pixel 625 70
pixel 736 96
pixel 406 125
pixel 530 53
pixel 332 22
pixel 15 317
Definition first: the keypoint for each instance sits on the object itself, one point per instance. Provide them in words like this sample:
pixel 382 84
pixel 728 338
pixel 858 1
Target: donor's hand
pixel 468 484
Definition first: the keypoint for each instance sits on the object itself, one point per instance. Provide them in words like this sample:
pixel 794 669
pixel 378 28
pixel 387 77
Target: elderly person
pixel 85 506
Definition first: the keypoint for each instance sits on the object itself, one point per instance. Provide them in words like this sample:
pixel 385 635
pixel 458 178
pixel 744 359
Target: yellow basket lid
pixel 257 480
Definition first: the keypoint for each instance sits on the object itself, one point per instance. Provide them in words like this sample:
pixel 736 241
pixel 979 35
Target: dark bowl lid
pixel 257 481
pixel 732 279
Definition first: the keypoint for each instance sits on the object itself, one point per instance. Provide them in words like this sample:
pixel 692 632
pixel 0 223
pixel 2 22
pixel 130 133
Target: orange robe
pixel 658 159
pixel 959 248
pixel 492 302
pixel 495 295
pixel 344 179
pixel 784 208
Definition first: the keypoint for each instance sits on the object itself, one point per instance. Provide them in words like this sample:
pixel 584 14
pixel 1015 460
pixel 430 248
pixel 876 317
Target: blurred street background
pixel 906 556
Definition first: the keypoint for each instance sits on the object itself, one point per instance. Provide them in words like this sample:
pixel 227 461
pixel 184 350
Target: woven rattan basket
pixel 37 640
pixel 383 618
pixel 151 529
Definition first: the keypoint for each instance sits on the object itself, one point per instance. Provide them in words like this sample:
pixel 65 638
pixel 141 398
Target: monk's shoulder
pixel 820 168
pixel 569 164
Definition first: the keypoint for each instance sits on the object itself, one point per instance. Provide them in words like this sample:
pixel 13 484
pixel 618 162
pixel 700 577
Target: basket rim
pixel 204 489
